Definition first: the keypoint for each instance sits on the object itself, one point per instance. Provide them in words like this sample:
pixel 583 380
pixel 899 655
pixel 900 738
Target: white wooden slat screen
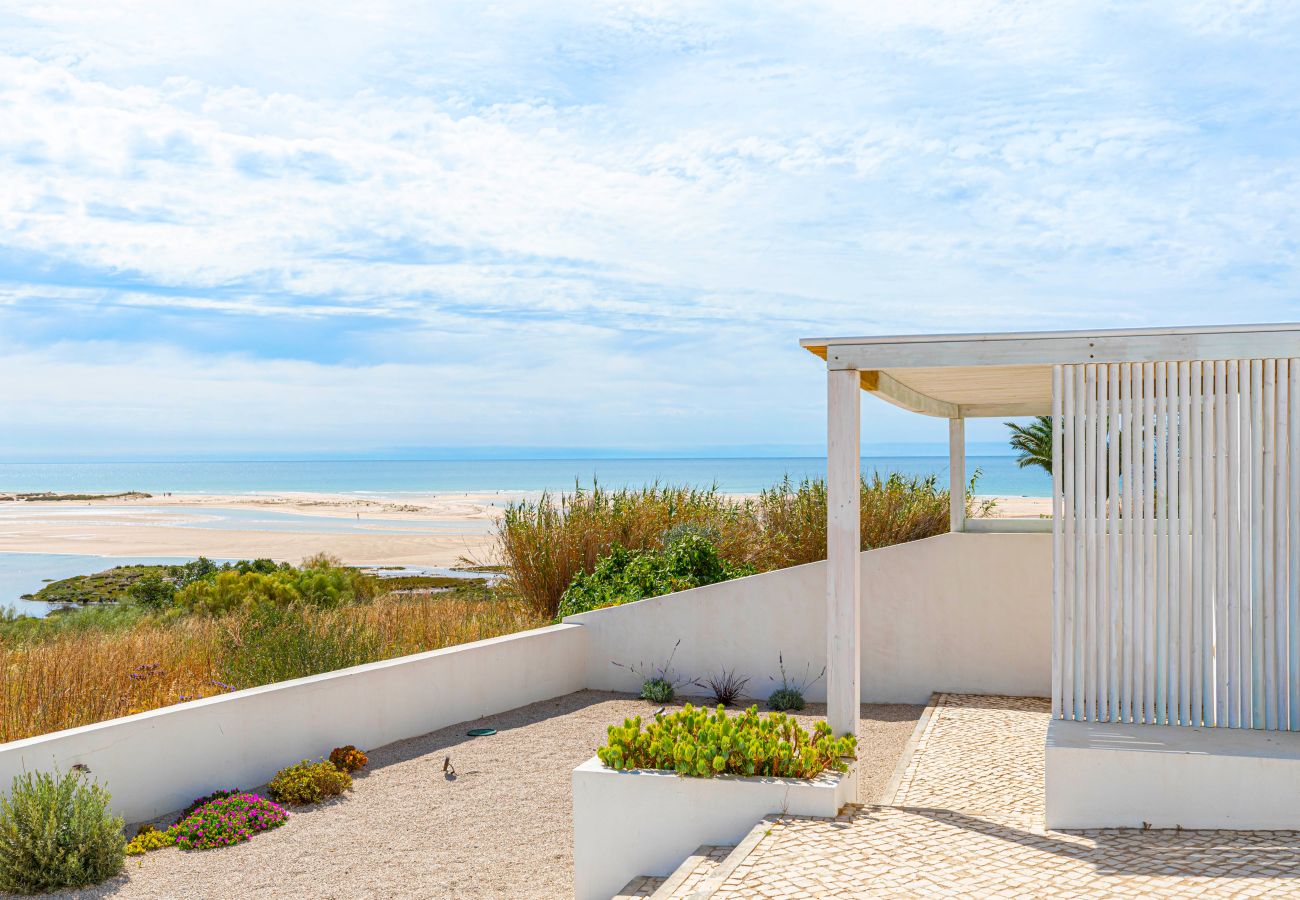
pixel 1176 540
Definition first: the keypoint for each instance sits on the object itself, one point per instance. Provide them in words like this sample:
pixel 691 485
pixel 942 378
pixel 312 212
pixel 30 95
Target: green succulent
pixel 697 743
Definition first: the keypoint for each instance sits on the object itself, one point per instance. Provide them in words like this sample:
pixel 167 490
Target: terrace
pixel 1157 615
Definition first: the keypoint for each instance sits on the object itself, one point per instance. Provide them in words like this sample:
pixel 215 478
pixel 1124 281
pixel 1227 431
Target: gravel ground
pixel 501 828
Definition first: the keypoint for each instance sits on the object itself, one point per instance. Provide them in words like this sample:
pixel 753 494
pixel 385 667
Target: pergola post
pixel 843 544
pixel 956 475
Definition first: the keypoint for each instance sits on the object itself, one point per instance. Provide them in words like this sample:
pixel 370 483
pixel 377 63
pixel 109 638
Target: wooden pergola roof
pixel 955 376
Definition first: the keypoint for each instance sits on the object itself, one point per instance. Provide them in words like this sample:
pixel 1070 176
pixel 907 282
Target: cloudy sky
pixel 247 227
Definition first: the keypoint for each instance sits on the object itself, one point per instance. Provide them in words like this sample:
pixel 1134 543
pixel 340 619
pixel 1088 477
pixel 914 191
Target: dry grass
pixel 78 677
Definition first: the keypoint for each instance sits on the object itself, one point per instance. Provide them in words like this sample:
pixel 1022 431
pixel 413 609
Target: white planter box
pixel 646 821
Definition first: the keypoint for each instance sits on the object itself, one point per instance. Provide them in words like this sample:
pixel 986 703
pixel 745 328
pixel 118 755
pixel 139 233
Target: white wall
pixel 160 760
pixel 1102 775
pixel 956 612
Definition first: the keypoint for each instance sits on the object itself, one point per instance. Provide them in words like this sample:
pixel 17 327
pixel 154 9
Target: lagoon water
pixel 999 475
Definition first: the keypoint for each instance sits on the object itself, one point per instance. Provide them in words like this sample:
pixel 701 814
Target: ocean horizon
pixel 998 475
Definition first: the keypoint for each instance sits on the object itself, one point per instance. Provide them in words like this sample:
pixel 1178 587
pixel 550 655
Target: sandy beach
pixel 428 530
pixel 434 530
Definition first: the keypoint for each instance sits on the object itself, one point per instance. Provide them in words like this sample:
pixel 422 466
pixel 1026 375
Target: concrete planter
pixel 646 821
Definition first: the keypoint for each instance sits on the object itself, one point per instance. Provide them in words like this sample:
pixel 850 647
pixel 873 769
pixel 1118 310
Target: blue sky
pixel 276 228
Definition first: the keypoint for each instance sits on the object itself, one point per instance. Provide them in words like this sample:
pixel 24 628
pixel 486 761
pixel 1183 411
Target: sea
pixel 23 573
pixel 998 475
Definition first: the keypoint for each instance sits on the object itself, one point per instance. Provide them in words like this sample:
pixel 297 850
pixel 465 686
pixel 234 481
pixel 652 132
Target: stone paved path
pixel 966 821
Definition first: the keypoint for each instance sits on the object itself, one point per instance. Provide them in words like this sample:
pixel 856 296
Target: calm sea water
pixel 1000 475
pixel 25 572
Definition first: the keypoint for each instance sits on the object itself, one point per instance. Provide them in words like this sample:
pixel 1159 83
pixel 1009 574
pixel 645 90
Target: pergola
pixel 1176 508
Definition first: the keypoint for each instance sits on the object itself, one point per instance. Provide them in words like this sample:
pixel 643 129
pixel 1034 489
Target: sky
pixel 249 228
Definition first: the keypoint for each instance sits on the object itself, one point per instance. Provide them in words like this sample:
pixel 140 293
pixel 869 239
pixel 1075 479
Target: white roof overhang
pixel 1010 374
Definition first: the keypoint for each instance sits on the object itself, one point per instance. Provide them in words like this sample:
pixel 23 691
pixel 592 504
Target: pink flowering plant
pixel 226 821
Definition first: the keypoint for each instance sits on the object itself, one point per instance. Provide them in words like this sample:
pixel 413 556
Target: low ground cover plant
pixel 659 684
pixel 348 759
pixel 309 782
pixel 227 821
pixel 150 838
pixel 56 831
pixel 789 692
pixel 697 743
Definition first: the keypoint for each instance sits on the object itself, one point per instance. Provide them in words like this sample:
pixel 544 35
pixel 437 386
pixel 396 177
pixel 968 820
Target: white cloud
pixel 658 198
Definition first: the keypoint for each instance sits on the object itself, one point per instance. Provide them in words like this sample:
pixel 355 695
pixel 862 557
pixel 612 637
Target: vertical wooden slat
pixel 1113 568
pixel 1268 611
pixel 1058 545
pixel 1222 643
pixel 1174 666
pixel 1255 447
pixel 1193 486
pixel 1281 588
pixel 1162 545
pixel 1101 575
pixel 1128 447
pixel 1293 545
pixel 1079 601
pixel 1208 549
pixel 1237 565
pixel 1149 566
pixel 1182 517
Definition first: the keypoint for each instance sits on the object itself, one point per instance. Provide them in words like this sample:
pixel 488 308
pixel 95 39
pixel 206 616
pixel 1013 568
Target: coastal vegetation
pixel 553 542
pixel 108 660
pixel 141 637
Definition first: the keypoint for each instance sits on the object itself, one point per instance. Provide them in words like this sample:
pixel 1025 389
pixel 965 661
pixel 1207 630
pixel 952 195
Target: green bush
pixel 689 559
pixel 153 591
pixel 658 690
pixel 273 644
pixel 785 698
pixel 697 743
pixel 320 581
pixel 309 782
pixel 56 831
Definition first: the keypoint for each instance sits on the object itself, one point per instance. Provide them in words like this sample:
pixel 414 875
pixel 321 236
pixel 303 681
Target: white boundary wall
pixel 159 761
pixel 966 613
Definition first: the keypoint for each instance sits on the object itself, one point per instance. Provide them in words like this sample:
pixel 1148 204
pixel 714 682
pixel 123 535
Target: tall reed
pixel 544 543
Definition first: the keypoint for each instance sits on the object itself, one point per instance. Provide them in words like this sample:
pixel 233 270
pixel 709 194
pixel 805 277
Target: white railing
pixel 1177 543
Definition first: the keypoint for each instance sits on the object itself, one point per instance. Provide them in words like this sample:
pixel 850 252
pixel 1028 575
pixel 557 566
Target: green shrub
pixel 272 644
pixel 321 581
pixel 153 592
pixel 689 559
pixel 790 694
pixel 56 831
pixel 658 690
pixel 786 698
pixel 697 743
pixel 309 782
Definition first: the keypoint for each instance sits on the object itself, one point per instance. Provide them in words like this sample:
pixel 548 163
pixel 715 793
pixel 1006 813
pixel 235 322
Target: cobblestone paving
pixel 966 821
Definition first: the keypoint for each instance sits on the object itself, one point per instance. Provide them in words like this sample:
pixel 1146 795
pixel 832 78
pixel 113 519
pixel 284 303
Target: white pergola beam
pixel 1058 348
pixel 843 546
pixel 889 388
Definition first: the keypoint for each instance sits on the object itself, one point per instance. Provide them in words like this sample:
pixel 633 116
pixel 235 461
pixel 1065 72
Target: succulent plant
pixel 697 743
